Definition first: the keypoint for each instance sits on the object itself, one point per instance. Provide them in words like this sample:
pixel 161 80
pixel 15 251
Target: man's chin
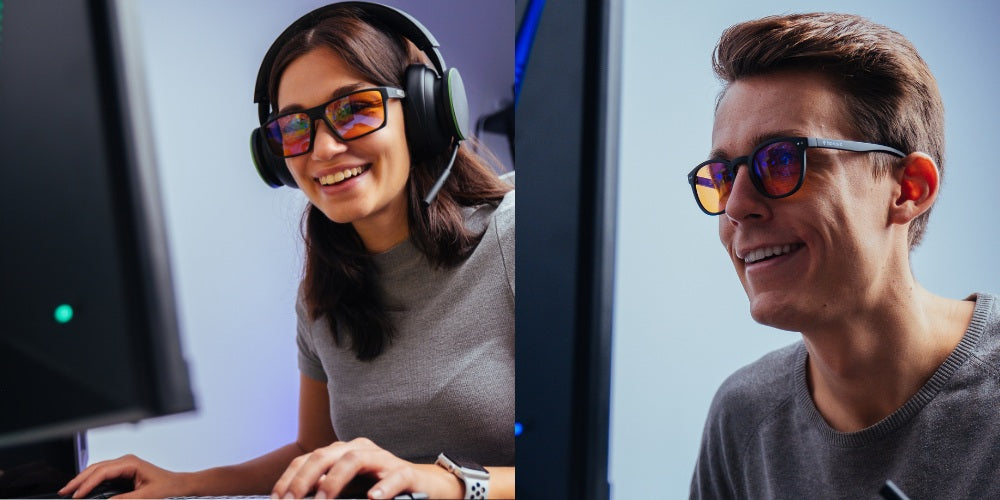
pixel 775 311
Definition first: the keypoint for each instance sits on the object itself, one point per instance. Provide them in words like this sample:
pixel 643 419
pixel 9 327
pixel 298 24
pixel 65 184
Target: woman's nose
pixel 326 144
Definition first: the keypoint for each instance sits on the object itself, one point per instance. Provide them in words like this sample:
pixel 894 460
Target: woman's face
pixel 362 181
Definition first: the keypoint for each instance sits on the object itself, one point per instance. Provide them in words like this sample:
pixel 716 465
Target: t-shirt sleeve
pixel 309 363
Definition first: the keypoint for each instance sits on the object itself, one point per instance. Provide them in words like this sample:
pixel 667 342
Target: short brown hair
pixel 891 94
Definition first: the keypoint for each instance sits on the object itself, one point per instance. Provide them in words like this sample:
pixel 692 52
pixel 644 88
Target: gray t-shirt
pixel 446 382
pixel 764 437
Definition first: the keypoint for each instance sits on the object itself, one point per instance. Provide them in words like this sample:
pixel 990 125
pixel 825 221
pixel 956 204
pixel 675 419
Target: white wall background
pixel 681 317
pixel 235 245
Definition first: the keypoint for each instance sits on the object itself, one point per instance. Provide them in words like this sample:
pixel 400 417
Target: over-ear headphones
pixel 435 109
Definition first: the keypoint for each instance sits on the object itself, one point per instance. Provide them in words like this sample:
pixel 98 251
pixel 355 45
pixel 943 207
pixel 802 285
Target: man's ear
pixel 917 187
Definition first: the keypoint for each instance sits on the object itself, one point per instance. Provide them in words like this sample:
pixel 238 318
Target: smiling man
pixel 827 156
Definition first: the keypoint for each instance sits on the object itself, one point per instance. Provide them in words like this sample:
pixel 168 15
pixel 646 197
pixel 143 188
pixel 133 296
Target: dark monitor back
pixel 38 469
pixel 567 181
pixel 88 334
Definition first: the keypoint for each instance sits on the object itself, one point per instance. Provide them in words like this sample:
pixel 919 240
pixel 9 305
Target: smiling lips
pixel 768 252
pixel 334 178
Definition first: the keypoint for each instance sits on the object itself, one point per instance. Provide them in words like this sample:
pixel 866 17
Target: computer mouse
pixel 358 487
pixel 111 487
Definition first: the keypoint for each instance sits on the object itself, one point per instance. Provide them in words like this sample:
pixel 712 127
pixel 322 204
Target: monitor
pixel 566 139
pixel 89 335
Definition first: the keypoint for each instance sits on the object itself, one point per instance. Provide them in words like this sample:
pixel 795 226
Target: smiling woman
pixel 405 310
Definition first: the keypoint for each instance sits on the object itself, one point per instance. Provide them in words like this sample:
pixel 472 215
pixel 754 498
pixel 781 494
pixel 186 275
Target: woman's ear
pixel 918 181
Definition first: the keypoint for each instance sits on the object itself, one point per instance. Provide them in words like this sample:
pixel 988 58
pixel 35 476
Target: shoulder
pixel 508 177
pixel 754 391
pixel 986 315
pixel 744 404
pixel 503 226
pixel 503 216
pixel 496 219
pixel 986 324
pixel 496 224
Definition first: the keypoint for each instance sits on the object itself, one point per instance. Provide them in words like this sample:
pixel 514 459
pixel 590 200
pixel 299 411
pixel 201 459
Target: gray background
pixel 671 351
pixel 235 244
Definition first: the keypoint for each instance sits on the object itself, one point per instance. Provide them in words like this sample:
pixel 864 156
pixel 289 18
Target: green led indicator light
pixel 64 313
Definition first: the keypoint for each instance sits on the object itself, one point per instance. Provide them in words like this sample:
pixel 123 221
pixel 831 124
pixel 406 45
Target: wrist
pixel 189 484
pixel 454 487
pixel 445 485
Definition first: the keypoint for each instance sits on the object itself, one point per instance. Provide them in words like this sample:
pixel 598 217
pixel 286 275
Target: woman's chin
pixel 339 216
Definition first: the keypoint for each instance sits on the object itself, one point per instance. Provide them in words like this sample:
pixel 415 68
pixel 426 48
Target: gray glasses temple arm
pixel 860 147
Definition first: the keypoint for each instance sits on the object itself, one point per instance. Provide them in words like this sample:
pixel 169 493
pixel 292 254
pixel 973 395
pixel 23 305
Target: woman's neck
pixel 382 231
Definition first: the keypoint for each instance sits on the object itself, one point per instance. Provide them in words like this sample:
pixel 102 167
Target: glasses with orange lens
pixel 777 169
pixel 349 116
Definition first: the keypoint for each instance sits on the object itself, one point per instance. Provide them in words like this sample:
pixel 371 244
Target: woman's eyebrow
pixel 339 91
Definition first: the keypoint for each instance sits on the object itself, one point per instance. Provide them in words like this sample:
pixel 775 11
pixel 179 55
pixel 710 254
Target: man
pixel 827 156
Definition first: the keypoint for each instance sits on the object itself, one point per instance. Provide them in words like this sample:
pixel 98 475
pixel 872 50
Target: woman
pixel 406 308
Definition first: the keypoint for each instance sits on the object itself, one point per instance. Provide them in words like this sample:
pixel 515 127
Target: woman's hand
pixel 149 480
pixel 326 471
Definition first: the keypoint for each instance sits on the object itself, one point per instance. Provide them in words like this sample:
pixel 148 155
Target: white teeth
pixel 327 180
pixel 763 253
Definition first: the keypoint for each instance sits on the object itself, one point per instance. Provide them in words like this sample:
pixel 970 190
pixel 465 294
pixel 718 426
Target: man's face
pixel 830 237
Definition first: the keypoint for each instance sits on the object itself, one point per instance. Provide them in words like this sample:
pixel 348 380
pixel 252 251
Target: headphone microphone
pixel 435 109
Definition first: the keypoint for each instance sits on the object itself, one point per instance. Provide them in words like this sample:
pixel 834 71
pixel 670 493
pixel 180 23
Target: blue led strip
pixel 525 38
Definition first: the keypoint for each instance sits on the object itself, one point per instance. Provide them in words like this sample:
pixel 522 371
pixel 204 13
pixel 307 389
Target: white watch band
pixel 476 480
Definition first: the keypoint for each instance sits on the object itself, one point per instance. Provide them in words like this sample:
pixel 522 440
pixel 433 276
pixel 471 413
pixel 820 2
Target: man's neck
pixel 867 366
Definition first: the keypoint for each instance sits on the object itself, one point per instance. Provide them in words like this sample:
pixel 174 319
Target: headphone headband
pixel 397 20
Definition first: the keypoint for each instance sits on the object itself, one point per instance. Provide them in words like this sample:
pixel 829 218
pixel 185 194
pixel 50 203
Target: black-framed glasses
pixel 777 168
pixel 349 116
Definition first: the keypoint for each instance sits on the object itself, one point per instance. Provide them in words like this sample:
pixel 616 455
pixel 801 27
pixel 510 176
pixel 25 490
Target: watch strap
pixel 475 480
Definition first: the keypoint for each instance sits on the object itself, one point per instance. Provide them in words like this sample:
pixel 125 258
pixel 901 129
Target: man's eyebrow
pixel 717 154
pixel 721 154
pixel 339 91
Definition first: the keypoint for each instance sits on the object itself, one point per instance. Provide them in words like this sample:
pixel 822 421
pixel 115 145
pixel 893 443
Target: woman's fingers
pixel 351 469
pixel 395 482
pixel 304 472
pixel 329 469
pixel 429 479
pixel 97 473
pixel 281 486
pixel 146 479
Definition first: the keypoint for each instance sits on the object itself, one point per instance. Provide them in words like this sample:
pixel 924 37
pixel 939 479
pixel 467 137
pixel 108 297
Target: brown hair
pixel 340 277
pixel 890 92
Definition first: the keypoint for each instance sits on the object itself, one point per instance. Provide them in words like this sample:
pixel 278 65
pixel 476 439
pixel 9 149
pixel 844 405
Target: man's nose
pixel 745 201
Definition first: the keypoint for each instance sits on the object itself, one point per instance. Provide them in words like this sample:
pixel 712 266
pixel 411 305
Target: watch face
pixel 465 463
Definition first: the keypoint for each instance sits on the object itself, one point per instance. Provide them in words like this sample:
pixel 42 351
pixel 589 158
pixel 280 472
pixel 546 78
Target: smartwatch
pixel 473 475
